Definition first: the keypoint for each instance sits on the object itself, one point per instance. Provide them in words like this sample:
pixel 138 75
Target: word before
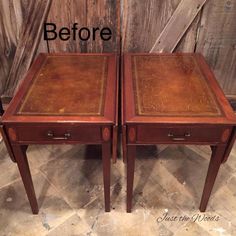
pixel 83 33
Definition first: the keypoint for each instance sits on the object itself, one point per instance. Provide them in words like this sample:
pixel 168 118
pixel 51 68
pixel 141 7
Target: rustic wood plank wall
pixel 217 41
pixel 212 32
pixel 143 21
pixel 71 12
pixel 87 13
pixel 28 43
pixel 12 17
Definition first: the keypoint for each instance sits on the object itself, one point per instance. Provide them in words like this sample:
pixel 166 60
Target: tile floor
pixel 69 188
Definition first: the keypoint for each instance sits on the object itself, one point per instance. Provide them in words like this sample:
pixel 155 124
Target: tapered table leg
pixel 124 147
pixel 131 152
pixel 215 162
pixel 114 144
pixel 106 161
pixel 22 162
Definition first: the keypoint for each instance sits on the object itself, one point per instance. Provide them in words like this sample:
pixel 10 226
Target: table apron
pixel 59 134
pixel 151 134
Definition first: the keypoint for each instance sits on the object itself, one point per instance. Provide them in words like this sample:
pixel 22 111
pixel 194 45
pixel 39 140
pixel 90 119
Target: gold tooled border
pixel 138 107
pixel 102 98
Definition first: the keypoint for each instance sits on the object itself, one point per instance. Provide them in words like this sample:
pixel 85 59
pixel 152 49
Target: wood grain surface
pixel 210 30
pixel 143 21
pixel 27 45
pixel 87 13
pixel 12 17
pixel 217 41
pixel 177 25
pixel 71 12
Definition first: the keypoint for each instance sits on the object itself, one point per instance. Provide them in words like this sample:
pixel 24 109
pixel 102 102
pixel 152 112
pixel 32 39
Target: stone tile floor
pixel 69 187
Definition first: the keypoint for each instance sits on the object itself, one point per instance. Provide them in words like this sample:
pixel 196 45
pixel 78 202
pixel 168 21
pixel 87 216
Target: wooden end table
pixel 174 99
pixel 64 99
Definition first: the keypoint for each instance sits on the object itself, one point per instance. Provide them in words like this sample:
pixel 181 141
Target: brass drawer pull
pixel 65 137
pixel 179 138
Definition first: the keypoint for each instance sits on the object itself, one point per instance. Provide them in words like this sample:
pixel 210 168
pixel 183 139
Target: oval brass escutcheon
pixel 225 135
pixel 132 134
pixel 12 134
pixel 106 134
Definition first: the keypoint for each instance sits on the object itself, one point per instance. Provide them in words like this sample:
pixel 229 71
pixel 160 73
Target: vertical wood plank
pixel 104 13
pixel 143 22
pixel 87 13
pixel 217 41
pixel 64 13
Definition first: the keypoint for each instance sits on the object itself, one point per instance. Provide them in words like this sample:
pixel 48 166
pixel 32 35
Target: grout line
pixel 57 190
pixel 10 183
pixel 18 179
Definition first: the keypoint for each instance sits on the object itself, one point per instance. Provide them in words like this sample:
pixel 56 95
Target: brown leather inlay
pixel 68 85
pixel 171 85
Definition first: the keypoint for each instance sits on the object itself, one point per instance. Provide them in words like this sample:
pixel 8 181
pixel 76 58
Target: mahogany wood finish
pixel 174 99
pixel 64 99
pixel 216 159
pixel 1 107
pixel 229 145
pixel 23 166
pixel 7 143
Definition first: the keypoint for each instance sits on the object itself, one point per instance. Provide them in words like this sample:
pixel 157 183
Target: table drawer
pixel 152 134
pixel 55 134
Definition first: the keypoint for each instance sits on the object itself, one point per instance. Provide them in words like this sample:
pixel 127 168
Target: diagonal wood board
pixel 27 46
pixel 174 30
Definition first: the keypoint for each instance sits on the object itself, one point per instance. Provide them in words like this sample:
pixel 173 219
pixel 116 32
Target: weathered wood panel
pixel 64 13
pixel 104 13
pixel 143 21
pixel 27 46
pixel 87 13
pixel 12 16
pixel 188 42
pixel 217 41
pixel 174 30
pixel 43 46
pixel 213 32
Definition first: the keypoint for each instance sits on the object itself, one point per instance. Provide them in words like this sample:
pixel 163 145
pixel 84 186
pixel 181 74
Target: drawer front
pixel 151 134
pixel 55 134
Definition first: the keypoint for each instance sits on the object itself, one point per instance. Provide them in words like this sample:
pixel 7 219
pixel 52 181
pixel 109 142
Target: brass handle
pixel 64 137
pixel 179 138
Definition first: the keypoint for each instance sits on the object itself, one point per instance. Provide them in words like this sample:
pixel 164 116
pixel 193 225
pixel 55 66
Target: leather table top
pixel 69 85
pixel 171 86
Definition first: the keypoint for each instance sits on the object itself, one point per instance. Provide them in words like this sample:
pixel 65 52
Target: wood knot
pixel 106 134
pixel 132 134
pixel 12 134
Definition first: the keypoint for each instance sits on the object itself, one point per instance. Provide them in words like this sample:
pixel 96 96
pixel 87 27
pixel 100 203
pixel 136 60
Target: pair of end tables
pixel 73 98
